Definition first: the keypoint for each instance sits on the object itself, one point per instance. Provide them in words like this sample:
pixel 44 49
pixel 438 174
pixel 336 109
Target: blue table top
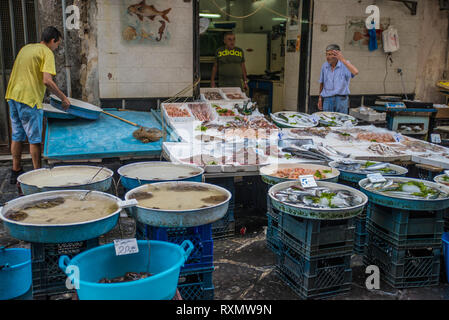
pixel 385 109
pixel 106 137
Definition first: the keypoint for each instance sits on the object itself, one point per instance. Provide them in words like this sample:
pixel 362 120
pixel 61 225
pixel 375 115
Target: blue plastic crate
pixel 273 238
pixel 196 284
pixel 317 278
pixel 404 268
pixel 360 225
pixel 201 237
pixel 225 227
pixel 402 224
pixel 360 242
pixel 317 237
pixel 408 241
pixel 48 279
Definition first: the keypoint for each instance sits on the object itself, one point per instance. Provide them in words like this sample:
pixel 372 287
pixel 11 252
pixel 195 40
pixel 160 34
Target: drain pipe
pixel 66 52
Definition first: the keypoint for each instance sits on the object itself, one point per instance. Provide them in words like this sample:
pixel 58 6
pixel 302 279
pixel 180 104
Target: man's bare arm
pixel 214 73
pixel 348 65
pixel 51 85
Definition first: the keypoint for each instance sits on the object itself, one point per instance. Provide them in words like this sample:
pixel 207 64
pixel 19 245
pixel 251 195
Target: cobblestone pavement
pixel 244 266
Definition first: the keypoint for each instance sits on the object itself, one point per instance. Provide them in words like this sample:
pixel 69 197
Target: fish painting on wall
pixel 357 37
pixel 145 22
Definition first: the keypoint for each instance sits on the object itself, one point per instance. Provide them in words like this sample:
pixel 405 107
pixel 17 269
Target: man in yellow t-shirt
pixel 31 75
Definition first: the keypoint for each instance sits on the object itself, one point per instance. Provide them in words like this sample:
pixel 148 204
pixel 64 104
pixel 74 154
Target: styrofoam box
pixel 235 90
pixel 218 90
pixel 182 106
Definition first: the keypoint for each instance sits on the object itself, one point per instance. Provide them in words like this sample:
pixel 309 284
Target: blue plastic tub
pixel 15 272
pixel 162 259
pixel 446 253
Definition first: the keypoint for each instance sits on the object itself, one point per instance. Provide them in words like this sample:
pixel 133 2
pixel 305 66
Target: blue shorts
pixel 26 122
pixel 336 104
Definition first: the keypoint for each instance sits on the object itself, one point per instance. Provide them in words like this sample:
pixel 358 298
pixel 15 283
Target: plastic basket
pixel 196 284
pixel 201 237
pixel 48 279
pixel 317 278
pixel 403 224
pixel 403 268
pixel 317 237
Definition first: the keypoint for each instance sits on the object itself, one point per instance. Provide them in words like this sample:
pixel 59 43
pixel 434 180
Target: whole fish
pixel 319 197
pixel 142 10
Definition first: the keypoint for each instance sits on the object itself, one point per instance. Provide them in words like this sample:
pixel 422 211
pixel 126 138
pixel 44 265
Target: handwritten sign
pixel 376 177
pixel 125 246
pixel 307 181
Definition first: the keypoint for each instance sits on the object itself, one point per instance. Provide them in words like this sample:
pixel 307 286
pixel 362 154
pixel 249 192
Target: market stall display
pixel 335 119
pixel 66 178
pixel 179 204
pixel 274 174
pixel 289 119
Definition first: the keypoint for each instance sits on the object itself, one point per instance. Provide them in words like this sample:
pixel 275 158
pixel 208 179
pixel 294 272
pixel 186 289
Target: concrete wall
pixel 141 71
pixel 423 41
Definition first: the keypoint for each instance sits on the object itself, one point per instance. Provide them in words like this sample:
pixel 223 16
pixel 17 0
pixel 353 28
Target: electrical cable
pixel 262 6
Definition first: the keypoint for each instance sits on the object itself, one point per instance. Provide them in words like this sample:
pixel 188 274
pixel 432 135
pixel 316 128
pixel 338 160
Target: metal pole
pixel 196 47
pixel 25 26
pixel 13 29
pixel 36 19
pixel 4 111
pixel 66 51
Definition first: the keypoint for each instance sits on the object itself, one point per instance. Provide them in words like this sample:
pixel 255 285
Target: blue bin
pixel 15 272
pixel 162 259
pixel 446 253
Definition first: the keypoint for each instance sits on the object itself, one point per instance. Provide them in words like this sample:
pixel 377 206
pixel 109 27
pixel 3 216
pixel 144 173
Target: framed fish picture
pixel 146 21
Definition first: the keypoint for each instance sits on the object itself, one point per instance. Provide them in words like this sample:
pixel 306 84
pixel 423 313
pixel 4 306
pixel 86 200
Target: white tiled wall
pixel 144 71
pixel 371 65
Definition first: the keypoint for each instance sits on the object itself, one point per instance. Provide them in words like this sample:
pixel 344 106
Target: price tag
pixel 128 203
pixel 376 177
pixel 435 138
pixel 398 137
pixel 446 172
pixel 307 181
pixel 125 246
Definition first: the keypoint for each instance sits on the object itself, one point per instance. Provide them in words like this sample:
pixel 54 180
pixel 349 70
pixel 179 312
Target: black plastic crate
pixel 316 238
pixel 196 284
pixel 360 242
pixel 406 224
pixel 404 268
pixel 47 278
pixel 316 278
pixel 430 240
pixel 225 227
pixel 273 237
pixel 201 238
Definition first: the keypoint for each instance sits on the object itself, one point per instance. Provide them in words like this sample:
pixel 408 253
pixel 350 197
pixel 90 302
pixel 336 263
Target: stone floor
pixel 244 266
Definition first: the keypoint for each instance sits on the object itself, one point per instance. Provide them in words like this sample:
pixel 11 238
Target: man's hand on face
pixel 337 54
